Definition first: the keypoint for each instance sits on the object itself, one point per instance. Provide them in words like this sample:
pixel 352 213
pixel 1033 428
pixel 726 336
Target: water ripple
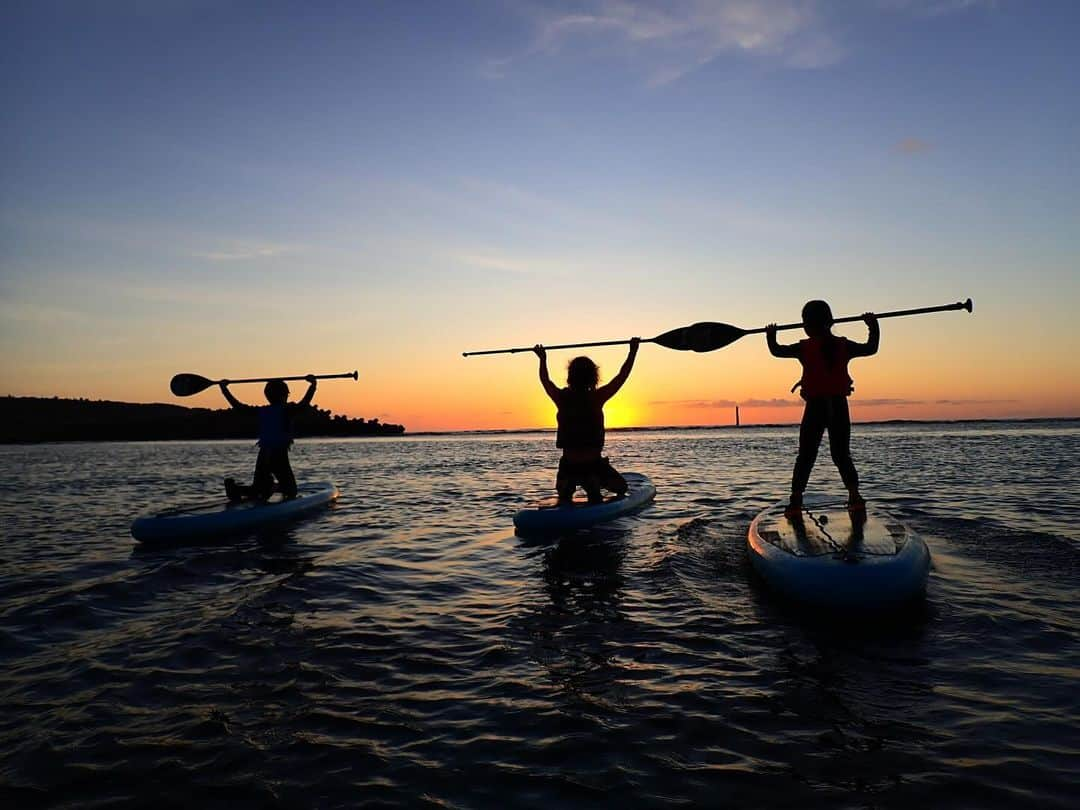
pixel 406 649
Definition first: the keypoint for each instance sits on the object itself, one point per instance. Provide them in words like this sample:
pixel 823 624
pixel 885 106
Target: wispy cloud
pixel 242 253
pixel 669 39
pixel 727 403
pixel 795 403
pixel 26 312
pixel 520 265
pixel 677 37
pixel 502 194
pixel 879 403
pixel 912 146
pixel 934 8
pixel 975 401
pixel 695 403
pixel 501 263
pixel 770 403
pixel 139 235
pixel 494 199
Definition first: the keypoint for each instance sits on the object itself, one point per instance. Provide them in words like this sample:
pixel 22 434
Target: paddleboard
pixel 831 558
pixel 549 517
pixel 222 517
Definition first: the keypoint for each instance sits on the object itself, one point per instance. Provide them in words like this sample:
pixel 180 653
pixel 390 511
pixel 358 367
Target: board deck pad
pixel 831 529
pixel 580 499
pixel 224 504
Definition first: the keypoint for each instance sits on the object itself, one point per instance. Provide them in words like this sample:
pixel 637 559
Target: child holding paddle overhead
pixel 825 387
pixel 275 438
pixel 581 425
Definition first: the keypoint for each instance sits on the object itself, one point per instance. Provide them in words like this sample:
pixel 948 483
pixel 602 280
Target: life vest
pixel 274 430
pixel 580 419
pixel 822 378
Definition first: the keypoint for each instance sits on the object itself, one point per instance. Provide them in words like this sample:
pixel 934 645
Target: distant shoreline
pixel 37 420
pixel 42 420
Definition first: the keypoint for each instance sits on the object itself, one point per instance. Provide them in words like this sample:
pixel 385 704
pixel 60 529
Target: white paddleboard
pixel 223 517
pixel 831 558
pixel 549 517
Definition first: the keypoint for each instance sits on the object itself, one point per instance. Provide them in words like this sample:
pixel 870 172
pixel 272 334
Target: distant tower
pixel 736 416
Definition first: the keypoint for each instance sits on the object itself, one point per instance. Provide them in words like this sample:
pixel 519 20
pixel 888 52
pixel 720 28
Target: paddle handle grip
pixel 348 374
pixel 896 313
pixel 560 346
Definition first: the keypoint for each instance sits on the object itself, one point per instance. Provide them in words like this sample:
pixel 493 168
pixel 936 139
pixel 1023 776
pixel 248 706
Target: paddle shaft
pixel 551 348
pixel 739 333
pixel 896 313
pixel 350 374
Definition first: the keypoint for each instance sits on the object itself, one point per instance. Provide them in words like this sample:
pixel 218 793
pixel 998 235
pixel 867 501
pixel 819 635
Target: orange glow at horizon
pixel 685 389
pixel 939 368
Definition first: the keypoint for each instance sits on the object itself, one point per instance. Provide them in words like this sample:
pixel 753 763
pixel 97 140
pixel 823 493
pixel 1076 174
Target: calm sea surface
pixel 406 649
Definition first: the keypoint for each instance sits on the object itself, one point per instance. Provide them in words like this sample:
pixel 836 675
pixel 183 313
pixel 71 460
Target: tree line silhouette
pixel 43 419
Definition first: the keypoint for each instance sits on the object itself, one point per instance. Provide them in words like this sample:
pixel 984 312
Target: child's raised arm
pixel 545 378
pixel 233 401
pixel 777 349
pixel 312 383
pixel 873 340
pixel 608 391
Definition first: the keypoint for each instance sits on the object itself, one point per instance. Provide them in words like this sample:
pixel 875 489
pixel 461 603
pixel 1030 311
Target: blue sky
pixel 193 184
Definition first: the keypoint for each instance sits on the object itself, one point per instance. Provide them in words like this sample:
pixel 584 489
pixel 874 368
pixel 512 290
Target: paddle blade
pixel 184 385
pixel 700 337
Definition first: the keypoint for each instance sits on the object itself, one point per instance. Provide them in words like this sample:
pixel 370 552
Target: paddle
pixel 184 385
pixel 707 336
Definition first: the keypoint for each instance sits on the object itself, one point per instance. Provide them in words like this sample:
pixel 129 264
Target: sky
pixel 245 189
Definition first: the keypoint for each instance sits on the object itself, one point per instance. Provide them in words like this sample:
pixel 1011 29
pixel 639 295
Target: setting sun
pixel 621 413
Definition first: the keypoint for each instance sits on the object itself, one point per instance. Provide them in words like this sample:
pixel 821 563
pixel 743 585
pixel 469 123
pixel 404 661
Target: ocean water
pixel 406 649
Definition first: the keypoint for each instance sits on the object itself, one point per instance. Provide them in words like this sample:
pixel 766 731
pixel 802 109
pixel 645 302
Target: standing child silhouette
pixel 825 387
pixel 275 438
pixel 581 425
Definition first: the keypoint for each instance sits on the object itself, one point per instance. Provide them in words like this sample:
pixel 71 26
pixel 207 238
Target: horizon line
pixel 633 428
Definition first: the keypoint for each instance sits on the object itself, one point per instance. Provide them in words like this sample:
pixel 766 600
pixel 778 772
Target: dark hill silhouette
pixel 41 419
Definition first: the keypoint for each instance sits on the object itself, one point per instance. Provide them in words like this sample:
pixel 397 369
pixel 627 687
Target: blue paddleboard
pixel 222 517
pixel 830 558
pixel 548 517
